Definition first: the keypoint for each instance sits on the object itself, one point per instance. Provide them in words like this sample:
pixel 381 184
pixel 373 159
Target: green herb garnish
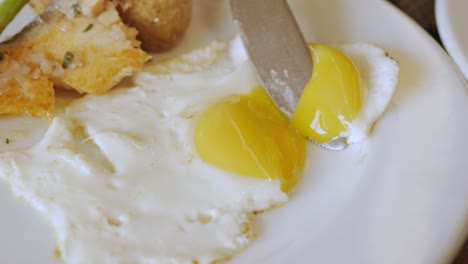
pixel 7 141
pixel 67 59
pixel 76 9
pixel 89 27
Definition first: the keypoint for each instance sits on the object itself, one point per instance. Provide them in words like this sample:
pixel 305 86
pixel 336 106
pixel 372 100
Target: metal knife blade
pixel 276 47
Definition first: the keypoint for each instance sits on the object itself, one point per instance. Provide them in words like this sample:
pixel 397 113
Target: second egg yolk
pixel 332 98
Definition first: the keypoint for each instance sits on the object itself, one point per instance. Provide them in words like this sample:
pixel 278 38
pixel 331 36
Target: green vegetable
pixel 8 10
pixel 67 59
pixel 89 27
pixel 76 9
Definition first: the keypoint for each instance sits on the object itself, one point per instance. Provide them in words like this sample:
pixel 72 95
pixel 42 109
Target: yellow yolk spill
pixel 331 99
pixel 248 135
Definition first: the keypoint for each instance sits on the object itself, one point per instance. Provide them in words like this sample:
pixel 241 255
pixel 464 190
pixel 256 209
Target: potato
pixel 160 23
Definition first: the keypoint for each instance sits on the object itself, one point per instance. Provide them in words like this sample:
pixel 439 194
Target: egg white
pixel 378 78
pixel 120 181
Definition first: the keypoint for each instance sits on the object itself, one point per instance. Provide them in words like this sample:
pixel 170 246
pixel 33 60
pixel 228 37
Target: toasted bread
pixel 39 6
pixel 23 87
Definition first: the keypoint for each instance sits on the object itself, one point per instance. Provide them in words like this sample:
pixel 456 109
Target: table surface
pixel 422 11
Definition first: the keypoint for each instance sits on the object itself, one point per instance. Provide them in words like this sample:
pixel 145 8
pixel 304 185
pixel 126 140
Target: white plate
pixel 452 19
pixel 400 197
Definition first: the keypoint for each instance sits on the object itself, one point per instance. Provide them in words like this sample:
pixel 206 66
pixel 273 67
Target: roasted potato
pixel 160 23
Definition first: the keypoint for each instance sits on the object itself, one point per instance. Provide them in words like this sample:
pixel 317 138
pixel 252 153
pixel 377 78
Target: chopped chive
pixel 67 59
pixel 7 141
pixel 89 27
pixel 76 9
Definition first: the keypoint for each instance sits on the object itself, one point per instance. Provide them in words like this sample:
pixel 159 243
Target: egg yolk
pixel 331 99
pixel 248 135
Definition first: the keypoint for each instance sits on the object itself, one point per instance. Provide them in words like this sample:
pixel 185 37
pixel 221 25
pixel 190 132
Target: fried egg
pixel 172 166
pixel 350 88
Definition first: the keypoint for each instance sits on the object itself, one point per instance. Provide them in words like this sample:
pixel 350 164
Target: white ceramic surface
pixel 452 23
pixel 400 197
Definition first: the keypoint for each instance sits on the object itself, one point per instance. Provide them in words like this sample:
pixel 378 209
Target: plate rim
pixel 449 37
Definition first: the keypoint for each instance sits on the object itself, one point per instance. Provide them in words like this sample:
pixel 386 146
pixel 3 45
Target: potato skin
pixel 160 23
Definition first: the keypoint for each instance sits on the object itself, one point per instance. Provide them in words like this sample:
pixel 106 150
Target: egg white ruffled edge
pixel 378 79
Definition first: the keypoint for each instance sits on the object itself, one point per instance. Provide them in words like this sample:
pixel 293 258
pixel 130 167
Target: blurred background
pixel 422 11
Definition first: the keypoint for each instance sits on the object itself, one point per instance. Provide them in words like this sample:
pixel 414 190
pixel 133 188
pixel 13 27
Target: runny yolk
pixel 248 135
pixel 331 99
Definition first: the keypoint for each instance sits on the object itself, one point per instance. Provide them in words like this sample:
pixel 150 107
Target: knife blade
pixel 276 48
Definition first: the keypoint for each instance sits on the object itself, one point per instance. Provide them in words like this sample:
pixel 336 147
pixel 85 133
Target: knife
pixel 276 48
